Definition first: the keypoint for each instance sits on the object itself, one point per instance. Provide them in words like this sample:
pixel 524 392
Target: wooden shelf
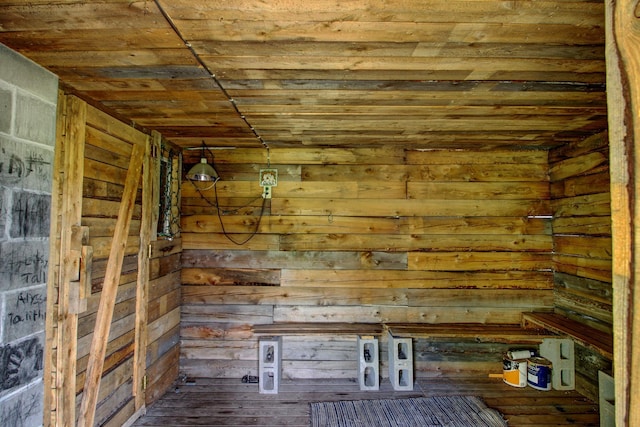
pixel 585 335
pixel 480 332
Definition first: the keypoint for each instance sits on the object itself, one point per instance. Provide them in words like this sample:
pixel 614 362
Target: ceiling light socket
pixel 268 177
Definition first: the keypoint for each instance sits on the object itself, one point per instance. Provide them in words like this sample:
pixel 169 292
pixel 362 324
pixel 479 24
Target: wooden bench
pixel 480 332
pixel 587 336
pixel 401 362
pixel 270 349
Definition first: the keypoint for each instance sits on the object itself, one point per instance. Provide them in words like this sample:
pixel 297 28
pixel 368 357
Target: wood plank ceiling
pixel 329 73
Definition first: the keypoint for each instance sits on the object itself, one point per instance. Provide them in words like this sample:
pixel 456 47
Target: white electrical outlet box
pixel 268 179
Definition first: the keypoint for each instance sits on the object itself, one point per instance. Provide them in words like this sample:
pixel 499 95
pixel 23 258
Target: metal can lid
pixel 539 361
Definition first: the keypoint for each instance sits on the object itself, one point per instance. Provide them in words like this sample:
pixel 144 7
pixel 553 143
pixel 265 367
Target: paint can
pixel 514 372
pixel 539 373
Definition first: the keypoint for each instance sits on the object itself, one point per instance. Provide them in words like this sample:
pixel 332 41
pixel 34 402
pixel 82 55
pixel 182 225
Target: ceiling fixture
pixel 203 171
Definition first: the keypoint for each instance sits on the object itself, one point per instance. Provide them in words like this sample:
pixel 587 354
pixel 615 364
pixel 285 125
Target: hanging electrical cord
pixel 253 233
pixel 215 205
pixel 221 212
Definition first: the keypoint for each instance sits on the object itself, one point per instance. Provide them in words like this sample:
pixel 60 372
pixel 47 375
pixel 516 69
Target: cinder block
pixel 561 354
pixel 22 72
pixel 368 363
pixel 606 397
pixel 269 364
pixel 401 363
pixel 35 120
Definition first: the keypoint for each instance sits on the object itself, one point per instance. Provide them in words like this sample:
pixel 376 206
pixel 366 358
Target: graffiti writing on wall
pixel 30 215
pixel 20 363
pixel 14 168
pixel 23 264
pixel 24 410
pixel 29 308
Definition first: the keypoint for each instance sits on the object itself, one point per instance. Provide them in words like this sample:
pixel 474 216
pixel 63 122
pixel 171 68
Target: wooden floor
pixel 225 402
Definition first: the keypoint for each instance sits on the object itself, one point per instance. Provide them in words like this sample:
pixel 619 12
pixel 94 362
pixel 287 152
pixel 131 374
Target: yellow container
pixel 514 372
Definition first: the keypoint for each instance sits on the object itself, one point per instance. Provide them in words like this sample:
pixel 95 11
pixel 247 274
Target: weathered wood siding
pixel 382 235
pixel 580 191
pixel 163 310
pixel 108 145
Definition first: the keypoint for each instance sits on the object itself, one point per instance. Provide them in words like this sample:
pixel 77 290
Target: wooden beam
pixel 53 273
pixel 623 93
pixel 71 174
pixel 149 191
pixel 110 289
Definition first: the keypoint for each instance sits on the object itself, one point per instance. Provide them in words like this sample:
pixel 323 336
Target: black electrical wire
pixel 253 233
pixel 220 212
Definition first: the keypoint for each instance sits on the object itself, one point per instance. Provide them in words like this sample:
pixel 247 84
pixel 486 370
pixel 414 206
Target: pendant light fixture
pixel 203 171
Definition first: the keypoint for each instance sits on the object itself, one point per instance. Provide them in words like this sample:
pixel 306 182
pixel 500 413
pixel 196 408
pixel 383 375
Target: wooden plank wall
pixel 107 149
pixel 580 192
pixel 368 235
pixel 163 347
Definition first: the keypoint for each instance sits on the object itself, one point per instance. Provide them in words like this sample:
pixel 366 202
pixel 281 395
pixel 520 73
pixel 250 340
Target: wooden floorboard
pixel 229 402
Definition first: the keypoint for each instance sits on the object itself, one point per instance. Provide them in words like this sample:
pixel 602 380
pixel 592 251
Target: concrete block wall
pixel 28 96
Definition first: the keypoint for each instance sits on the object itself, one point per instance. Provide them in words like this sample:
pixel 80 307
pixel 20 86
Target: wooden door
pixel 100 202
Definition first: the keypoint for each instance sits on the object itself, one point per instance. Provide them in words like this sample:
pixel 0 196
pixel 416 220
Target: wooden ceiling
pixel 329 73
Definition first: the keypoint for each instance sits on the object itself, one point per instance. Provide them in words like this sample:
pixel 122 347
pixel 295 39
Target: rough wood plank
pixel 592 205
pixel 338 260
pixel 291 224
pixel 162 374
pixel 446 314
pixel 51 394
pixel 230 276
pixel 297 328
pixel 597 181
pixel 406 31
pixel 477 190
pixel 583 246
pixel 411 11
pixel 417 278
pixel 149 188
pixel 596 226
pixel 623 83
pixel 577 165
pixel 597 269
pixel 409 207
pixel 427 172
pixel 479 261
pixel 71 213
pixel 301 295
pixel 414 242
